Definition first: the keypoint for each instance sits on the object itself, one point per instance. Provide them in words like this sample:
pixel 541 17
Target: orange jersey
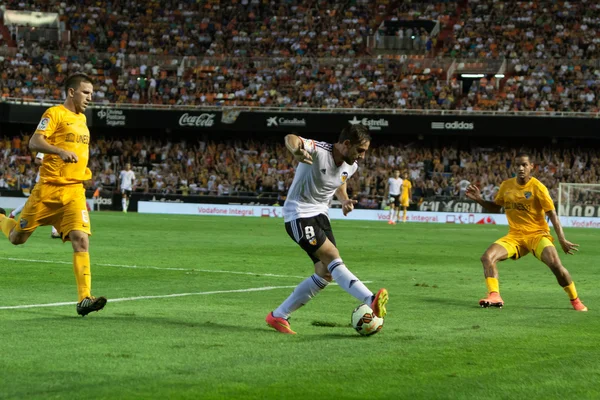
pixel 67 130
pixel 406 186
pixel 525 206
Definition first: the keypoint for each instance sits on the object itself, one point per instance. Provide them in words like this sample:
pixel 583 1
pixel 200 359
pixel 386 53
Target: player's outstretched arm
pixel 474 194
pixel 342 196
pixel 295 145
pixel 38 143
pixel 568 247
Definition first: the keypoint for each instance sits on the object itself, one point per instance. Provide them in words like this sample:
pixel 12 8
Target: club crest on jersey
pixel 23 223
pixel 344 177
pixel 313 242
pixel 43 124
pixel 527 195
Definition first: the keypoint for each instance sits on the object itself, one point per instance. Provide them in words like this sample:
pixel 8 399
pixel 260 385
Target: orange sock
pixel 83 276
pixel 7 224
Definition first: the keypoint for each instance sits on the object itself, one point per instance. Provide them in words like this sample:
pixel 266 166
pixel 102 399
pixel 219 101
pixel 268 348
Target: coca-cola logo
pixel 204 120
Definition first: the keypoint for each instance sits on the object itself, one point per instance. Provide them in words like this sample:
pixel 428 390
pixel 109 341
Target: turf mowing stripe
pixel 157 268
pixel 259 289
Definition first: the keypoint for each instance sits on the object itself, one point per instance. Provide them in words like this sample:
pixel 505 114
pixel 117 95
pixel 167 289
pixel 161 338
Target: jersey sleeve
pixel 48 123
pixel 309 145
pixel 499 199
pixel 544 199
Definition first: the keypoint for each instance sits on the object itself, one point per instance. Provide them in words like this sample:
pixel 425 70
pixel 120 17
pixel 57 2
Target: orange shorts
pixel 62 206
pixel 519 246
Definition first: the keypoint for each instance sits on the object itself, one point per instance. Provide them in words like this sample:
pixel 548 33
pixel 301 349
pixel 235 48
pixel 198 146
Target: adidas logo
pixel 456 125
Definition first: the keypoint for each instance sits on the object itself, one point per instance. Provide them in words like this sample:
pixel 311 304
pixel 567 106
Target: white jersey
pixel 127 178
pixel 39 156
pixel 395 185
pixel 314 185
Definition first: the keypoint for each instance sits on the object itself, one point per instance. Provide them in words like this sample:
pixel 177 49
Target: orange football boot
pixel 280 324
pixel 578 305
pixel 379 302
pixel 492 300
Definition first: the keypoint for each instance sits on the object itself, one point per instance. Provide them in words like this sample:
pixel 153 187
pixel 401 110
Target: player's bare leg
pixel 7 226
pixel 552 260
pixel 489 259
pixel 81 267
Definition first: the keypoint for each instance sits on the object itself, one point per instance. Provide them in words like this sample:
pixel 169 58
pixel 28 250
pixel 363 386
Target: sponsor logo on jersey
pixel 43 124
pixel 72 138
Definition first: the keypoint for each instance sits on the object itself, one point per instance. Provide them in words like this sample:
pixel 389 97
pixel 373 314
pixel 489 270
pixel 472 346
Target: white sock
pixel 127 204
pixel 124 204
pixel 17 210
pixel 391 214
pixel 54 231
pixel 305 291
pixel 350 283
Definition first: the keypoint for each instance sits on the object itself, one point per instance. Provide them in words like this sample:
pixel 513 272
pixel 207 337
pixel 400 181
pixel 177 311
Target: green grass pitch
pixel 209 340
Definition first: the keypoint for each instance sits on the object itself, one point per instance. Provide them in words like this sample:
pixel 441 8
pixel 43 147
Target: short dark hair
pixel 75 80
pixel 522 154
pixel 356 134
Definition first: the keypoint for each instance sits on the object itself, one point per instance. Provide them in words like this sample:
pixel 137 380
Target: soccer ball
pixel 365 322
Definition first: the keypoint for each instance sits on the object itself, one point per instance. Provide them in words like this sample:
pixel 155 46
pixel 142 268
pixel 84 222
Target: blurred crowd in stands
pixel 314 54
pixel 254 168
pixel 310 53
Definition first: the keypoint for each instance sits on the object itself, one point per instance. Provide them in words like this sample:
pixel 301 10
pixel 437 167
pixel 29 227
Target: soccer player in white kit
pixel 39 157
pixel 393 190
pixel 126 179
pixel 322 172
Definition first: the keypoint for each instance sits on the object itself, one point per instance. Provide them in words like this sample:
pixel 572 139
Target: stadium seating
pixel 316 54
pixel 208 168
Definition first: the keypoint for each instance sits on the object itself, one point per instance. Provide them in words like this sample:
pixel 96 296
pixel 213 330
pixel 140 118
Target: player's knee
pixel 324 274
pixel 328 257
pixel 486 259
pixel 555 264
pixel 80 241
pixel 16 238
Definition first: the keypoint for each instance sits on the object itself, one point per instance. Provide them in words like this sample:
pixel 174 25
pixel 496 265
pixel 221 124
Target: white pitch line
pixel 259 289
pixel 216 271
pixel 157 268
